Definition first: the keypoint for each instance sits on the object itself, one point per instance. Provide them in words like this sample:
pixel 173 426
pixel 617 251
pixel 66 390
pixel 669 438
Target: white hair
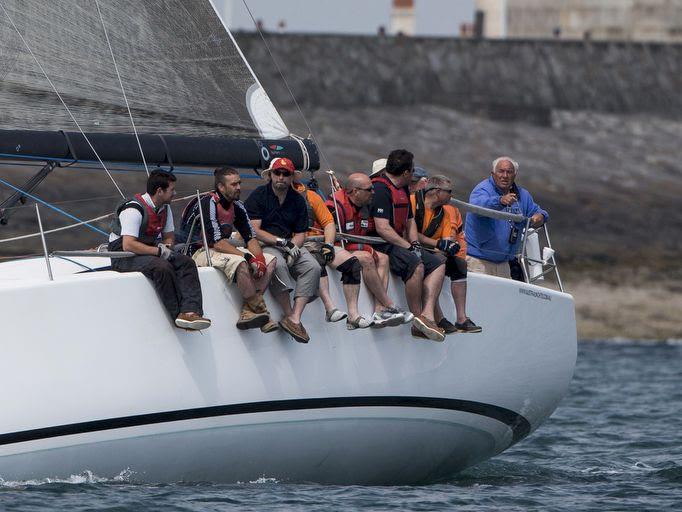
pixel 508 159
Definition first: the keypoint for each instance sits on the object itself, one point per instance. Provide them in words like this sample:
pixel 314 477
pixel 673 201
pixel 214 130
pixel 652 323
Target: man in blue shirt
pixel 493 243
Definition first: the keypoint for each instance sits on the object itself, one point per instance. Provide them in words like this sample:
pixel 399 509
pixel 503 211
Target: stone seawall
pixel 502 79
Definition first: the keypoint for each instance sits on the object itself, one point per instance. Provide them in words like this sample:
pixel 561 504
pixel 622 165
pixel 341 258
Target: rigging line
pixel 54 88
pixel 81 223
pixel 291 93
pixel 59 210
pixel 125 97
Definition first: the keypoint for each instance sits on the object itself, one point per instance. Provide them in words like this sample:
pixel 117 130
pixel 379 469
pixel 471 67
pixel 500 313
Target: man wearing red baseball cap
pixel 280 219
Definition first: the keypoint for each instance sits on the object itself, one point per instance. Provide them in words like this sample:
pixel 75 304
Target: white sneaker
pixel 359 323
pixel 335 315
pixel 408 316
pixel 387 318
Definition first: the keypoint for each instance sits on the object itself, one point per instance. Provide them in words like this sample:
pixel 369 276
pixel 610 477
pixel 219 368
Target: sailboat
pixel 95 376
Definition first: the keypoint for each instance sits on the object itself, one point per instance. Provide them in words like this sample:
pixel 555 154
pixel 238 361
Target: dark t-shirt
pixel 382 203
pixel 280 220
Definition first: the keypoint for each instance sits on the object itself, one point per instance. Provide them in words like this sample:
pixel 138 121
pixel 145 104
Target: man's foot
pixel 254 314
pixel 468 326
pixel 428 328
pixel 296 331
pixel 387 318
pixel 359 323
pixel 416 333
pixel 447 326
pixel 192 321
pixel 335 315
pixel 271 326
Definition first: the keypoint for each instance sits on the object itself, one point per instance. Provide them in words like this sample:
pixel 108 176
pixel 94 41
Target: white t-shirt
pixel 131 220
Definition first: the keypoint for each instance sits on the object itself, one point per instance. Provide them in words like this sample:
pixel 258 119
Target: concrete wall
pixel 505 79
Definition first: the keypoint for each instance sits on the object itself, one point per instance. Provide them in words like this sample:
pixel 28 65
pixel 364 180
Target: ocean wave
pixel 84 477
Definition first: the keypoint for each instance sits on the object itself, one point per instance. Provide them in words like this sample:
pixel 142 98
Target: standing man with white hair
pixel 492 243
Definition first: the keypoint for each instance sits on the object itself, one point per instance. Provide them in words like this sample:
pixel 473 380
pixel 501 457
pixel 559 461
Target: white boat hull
pixel 97 378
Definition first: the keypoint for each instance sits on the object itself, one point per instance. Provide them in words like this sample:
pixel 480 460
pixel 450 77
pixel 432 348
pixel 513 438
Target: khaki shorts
pixel 228 263
pixel 488 267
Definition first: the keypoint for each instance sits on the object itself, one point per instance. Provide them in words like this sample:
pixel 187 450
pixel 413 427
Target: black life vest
pixel 401 203
pixel 420 214
pixel 153 220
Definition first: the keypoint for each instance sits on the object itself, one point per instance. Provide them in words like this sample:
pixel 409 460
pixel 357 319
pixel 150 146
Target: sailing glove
pixel 416 248
pixel 166 252
pixel 290 249
pixel 328 252
pixel 448 247
pixel 257 265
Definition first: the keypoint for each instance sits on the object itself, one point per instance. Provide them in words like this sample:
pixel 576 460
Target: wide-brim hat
pixel 378 166
pixel 279 163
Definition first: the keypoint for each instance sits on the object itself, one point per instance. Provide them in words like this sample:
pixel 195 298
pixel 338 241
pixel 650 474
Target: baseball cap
pixel 279 163
pixel 419 173
pixel 378 166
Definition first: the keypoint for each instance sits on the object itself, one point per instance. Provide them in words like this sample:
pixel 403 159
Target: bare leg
pixel 431 290
pixel 262 283
pixel 459 294
pixel 373 280
pixel 413 291
pixel 325 296
pixel 383 270
pixel 438 312
pixel 352 292
pixel 283 301
pixel 299 305
pixel 245 282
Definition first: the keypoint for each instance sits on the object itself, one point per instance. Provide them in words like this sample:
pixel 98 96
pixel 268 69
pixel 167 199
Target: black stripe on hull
pixel 519 425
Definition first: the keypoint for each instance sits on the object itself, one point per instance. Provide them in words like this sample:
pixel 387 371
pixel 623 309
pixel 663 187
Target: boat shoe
pixel 271 326
pixel 335 315
pixel 296 331
pixel 416 333
pixel 192 321
pixel 359 323
pixel 254 313
pixel 468 326
pixel 428 328
pixel 447 326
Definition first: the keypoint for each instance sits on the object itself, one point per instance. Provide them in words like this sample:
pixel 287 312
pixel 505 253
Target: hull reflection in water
pixel 102 381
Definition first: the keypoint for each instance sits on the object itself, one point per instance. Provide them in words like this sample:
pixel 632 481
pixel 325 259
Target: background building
pixel 403 18
pixel 633 20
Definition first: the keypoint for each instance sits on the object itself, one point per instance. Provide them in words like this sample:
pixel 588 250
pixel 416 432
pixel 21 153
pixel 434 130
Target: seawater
pixel 614 443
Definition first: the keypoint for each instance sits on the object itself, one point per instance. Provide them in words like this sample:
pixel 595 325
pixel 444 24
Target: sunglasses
pixel 279 172
pixel 370 189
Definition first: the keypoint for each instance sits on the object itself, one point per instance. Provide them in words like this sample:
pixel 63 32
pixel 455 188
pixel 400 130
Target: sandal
pixel 335 315
pixel 359 323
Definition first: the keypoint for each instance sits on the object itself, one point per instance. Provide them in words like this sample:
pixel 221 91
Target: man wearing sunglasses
pixel 280 219
pixel 435 233
pixel 421 271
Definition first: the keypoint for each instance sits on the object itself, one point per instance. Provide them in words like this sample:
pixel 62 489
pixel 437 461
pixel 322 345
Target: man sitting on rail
pixel 421 271
pixel 350 206
pixel 249 267
pixel 280 219
pixel 435 232
pixel 492 242
pixel 322 223
pixel 144 225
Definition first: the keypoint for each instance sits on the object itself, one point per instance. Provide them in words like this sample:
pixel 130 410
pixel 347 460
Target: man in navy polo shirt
pixel 279 217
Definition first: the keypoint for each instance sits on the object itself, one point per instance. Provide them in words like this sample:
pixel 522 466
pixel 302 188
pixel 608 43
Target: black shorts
pixel 456 268
pixel 404 262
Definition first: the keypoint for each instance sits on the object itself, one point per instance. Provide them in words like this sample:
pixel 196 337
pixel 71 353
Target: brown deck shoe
pixel 192 321
pixel 271 326
pixel 297 331
pixel 428 328
pixel 416 333
pixel 254 314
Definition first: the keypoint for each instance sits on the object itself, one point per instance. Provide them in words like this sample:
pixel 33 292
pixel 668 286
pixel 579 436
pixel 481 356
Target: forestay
pixel 181 70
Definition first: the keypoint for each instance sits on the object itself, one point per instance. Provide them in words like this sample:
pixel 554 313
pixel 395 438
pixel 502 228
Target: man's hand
pixel 537 220
pixel 448 247
pixel 166 253
pixel 291 249
pixel 416 248
pixel 257 265
pixel 328 252
pixel 508 199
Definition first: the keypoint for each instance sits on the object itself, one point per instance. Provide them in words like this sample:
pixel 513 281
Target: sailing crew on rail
pixel 493 243
pixel 421 271
pixel 144 225
pixel 351 207
pixel 436 232
pixel 280 219
pixel 248 267
pixel 322 223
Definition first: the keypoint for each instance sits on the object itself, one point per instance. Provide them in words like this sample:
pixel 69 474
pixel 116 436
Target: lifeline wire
pixel 60 98
pixel 267 47
pixel 59 210
pixel 125 97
